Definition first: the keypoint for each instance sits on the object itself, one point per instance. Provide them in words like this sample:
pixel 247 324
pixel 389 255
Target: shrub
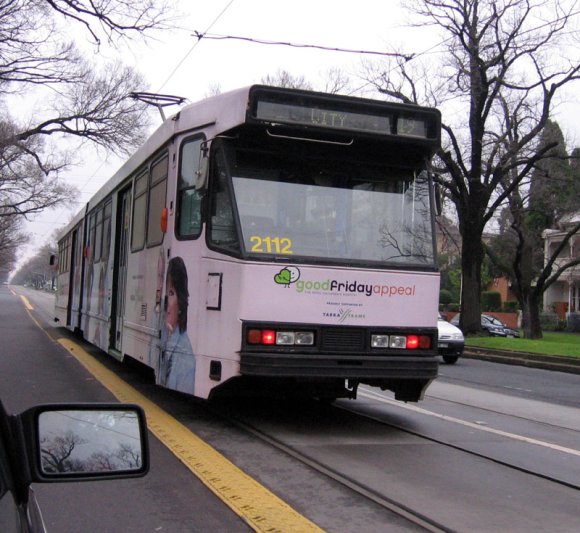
pixel 445 297
pixel 453 307
pixel 549 321
pixel 573 324
pixel 491 301
pixel 511 306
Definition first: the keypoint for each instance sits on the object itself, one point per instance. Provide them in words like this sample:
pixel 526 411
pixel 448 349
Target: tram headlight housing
pixel 269 337
pixel 401 342
pixel 379 341
pixel 304 338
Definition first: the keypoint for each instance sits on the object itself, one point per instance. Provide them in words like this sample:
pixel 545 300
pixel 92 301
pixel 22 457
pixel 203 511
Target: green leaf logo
pixel 283 277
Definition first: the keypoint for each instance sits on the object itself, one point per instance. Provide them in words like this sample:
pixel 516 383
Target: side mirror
pixel 438 198
pixel 202 172
pixel 85 442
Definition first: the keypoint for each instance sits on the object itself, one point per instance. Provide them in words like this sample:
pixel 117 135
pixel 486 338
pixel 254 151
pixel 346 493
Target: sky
pixel 178 63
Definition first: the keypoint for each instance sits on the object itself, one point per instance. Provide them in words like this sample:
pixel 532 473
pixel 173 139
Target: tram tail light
pixel 412 342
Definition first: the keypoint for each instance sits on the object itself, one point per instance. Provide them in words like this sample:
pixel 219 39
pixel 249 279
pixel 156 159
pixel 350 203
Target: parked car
pixel 65 442
pixel 493 326
pixel 451 342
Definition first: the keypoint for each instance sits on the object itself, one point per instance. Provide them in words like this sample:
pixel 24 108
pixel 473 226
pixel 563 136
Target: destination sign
pixel 412 127
pixel 323 117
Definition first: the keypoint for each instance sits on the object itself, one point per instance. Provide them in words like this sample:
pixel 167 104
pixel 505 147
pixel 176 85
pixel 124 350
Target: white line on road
pixel 376 396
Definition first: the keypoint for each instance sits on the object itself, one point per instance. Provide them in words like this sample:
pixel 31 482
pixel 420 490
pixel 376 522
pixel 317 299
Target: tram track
pixel 416 516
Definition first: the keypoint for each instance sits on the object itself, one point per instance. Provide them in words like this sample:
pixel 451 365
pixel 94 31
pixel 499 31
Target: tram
pixel 266 239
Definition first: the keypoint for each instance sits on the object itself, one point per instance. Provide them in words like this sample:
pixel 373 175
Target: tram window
pixel 91 235
pixel 223 230
pixel 63 255
pixel 106 231
pixel 157 194
pixel 98 236
pixel 188 199
pixel 139 213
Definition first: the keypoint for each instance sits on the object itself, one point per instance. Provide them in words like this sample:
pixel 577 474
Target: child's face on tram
pixel 172 314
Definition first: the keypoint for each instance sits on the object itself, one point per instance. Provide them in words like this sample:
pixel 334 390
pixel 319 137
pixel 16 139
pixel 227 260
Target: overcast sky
pixel 178 63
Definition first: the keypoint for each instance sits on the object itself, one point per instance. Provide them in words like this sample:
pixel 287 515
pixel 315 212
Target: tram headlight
pixel 285 338
pixel 379 341
pixel 398 342
pixel 305 338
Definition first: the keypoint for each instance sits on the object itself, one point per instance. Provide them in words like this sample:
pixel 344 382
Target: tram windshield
pixel 332 210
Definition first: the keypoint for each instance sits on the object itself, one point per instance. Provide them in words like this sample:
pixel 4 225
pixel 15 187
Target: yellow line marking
pixel 259 507
pixel 26 303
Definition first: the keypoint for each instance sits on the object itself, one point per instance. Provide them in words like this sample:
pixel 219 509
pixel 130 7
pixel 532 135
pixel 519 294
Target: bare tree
pixel 283 78
pixel 74 99
pixel 37 271
pixel 11 238
pixel 336 81
pixel 115 18
pixel 497 84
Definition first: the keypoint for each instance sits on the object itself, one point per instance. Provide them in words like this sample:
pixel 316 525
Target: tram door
pixel 120 269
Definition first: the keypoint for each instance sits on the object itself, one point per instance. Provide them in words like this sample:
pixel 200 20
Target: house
pixel 564 295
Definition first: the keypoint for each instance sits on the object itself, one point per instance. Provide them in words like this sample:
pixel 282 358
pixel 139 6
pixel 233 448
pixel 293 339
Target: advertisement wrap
pixel 341 296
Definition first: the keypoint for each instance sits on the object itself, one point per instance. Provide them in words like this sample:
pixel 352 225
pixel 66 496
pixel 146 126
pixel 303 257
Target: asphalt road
pixel 34 369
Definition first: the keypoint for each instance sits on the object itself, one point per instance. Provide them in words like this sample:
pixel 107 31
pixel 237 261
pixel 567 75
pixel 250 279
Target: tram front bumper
pixel 358 367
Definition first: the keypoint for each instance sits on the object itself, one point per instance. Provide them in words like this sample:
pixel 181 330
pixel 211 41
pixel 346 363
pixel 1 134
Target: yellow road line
pixel 26 303
pixel 259 507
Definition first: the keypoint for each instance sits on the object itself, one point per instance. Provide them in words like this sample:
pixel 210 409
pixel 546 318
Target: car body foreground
pixel 65 442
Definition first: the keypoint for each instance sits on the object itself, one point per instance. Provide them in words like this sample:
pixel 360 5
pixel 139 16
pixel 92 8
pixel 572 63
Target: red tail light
pixel 412 342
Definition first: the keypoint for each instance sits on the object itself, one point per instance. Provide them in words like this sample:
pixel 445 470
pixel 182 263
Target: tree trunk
pixel 531 315
pixel 471 261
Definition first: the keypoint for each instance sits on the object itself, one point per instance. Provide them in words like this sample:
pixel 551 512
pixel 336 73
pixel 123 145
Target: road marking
pixel 255 504
pixel 376 396
pixel 26 303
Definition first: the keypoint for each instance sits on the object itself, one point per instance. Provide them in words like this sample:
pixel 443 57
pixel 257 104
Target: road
pixel 491 448
pixel 34 369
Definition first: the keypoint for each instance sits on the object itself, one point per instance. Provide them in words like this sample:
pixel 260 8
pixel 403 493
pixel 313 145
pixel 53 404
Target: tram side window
pixel 157 193
pixel 188 199
pixel 64 255
pixel 98 236
pixel 106 230
pixel 139 212
pixel 223 229
pixel 91 234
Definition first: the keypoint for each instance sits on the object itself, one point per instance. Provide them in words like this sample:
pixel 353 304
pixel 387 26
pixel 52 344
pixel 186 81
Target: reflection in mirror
pixel 89 441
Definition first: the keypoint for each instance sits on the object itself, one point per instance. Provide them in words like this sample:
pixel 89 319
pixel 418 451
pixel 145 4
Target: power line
pixel 217 37
pixel 188 53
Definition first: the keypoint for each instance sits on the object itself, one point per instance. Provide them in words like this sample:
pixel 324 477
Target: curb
pixel 570 365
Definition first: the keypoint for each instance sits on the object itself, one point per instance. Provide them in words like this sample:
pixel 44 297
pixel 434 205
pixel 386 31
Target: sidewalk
pixel 547 362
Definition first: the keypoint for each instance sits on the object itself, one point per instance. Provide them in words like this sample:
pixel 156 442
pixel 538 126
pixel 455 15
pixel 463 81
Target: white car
pixel 451 341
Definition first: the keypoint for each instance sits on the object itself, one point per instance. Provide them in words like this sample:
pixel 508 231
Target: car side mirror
pixel 85 442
